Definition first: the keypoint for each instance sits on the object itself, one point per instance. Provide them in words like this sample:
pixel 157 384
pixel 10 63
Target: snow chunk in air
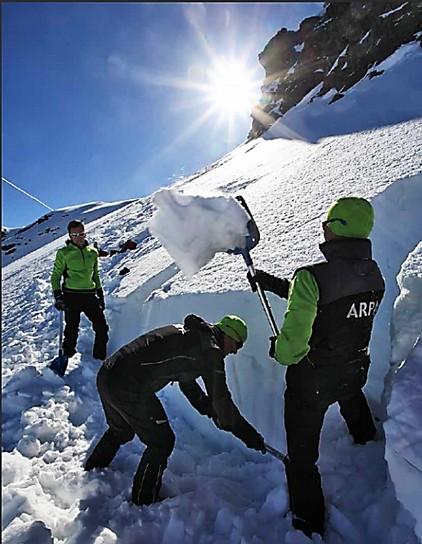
pixel 194 228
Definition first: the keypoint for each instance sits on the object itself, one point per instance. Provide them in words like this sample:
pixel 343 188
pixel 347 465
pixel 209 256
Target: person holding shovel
pixel 129 380
pixel 77 265
pixel 324 344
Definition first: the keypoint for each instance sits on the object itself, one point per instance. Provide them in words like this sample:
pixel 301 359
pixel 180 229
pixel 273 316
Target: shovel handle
pixel 61 333
pixel 262 297
pixel 275 453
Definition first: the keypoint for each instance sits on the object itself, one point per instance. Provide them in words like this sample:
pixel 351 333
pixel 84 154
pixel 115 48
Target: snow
pixel 403 434
pixel 334 66
pixel 194 228
pixel 364 37
pixel 388 13
pixel 407 316
pixel 397 57
pixel 291 70
pixel 402 427
pixel 54 225
pixel 299 47
pixel 368 105
pixel 217 490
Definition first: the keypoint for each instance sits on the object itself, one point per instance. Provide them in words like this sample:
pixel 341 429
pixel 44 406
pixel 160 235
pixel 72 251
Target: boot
pixel 307 527
pixel 147 483
pixel 103 453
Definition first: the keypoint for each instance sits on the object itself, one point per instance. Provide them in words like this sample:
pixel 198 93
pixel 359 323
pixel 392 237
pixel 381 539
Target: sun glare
pixel 231 88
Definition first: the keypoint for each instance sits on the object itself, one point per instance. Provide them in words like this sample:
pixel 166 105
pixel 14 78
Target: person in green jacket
pixel 77 288
pixel 324 344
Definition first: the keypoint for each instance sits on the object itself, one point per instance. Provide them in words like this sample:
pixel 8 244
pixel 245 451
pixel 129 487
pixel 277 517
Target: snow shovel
pixel 59 364
pixel 251 241
pixel 275 453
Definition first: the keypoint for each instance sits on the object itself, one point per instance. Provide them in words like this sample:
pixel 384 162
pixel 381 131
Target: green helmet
pixel 352 217
pixel 234 327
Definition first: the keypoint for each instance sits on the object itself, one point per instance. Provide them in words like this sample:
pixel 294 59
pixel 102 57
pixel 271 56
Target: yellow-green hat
pixel 352 217
pixel 234 327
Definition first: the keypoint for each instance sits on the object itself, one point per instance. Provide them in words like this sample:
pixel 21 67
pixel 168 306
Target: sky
pixel 107 101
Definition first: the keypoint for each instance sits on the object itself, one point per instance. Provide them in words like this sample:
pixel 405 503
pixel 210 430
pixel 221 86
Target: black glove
pixel 278 286
pixel 59 300
pixel 100 296
pixel 259 277
pixel 271 353
pixel 255 441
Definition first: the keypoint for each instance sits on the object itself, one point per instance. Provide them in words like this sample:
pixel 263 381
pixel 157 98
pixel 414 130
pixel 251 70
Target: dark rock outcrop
pixel 334 50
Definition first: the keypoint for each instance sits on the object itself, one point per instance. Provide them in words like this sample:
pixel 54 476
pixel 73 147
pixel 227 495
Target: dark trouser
pixel 88 304
pixel 303 418
pixel 126 414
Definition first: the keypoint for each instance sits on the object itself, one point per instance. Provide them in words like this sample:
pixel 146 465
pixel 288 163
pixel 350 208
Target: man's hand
pixel 59 301
pixel 253 280
pixel 271 352
pixel 100 296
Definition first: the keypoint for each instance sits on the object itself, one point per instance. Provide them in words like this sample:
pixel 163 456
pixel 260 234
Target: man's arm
pixel 228 416
pixel 199 400
pixel 292 343
pixel 58 269
pixel 278 286
pixel 96 275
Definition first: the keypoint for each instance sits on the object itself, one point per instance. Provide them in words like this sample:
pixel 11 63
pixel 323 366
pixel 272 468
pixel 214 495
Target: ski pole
pixel 61 333
pixel 262 297
pixel 275 453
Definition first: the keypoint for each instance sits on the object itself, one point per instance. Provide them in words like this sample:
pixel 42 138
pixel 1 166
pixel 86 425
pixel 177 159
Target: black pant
pixel 88 304
pixel 303 417
pixel 128 414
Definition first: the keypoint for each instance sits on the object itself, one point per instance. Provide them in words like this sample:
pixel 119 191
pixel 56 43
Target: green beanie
pixel 234 327
pixel 352 217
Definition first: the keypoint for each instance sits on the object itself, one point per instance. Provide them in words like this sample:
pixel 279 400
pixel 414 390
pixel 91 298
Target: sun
pixel 231 88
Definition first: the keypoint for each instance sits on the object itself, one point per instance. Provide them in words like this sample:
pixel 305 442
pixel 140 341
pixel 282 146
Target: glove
pixel 271 353
pixel 100 296
pixel 59 301
pixel 257 278
pixel 255 441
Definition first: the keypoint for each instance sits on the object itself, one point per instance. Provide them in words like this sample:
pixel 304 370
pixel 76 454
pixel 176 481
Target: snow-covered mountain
pixel 18 242
pixel 331 53
pixel 219 491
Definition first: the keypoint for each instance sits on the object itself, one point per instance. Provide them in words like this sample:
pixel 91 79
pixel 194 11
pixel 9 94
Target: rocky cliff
pixel 331 53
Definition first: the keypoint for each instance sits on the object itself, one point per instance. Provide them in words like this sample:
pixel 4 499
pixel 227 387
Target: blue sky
pixel 96 104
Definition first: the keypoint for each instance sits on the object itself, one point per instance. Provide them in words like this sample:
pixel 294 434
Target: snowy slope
pixel 18 242
pixel 219 491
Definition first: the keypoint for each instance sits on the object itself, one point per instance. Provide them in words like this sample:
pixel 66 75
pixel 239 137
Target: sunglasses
pixel 342 221
pixel 77 234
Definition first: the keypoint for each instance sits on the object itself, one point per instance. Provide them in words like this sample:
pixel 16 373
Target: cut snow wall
pixel 403 432
pixel 255 380
pixel 397 231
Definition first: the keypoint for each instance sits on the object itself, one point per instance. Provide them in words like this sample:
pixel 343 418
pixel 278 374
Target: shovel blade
pixel 59 365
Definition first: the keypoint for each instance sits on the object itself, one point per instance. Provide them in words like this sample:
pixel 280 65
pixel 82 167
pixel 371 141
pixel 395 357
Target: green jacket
pixel 292 343
pixel 78 266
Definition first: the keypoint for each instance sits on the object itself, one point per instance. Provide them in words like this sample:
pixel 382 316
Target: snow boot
pixel 103 453
pixel 307 527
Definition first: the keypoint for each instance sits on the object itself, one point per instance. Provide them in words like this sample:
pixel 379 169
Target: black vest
pixel 350 290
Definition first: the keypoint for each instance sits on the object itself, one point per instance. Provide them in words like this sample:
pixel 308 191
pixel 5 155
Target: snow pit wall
pixel 403 432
